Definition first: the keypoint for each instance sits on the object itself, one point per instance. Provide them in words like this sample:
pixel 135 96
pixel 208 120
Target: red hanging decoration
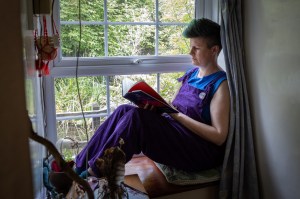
pixel 46 48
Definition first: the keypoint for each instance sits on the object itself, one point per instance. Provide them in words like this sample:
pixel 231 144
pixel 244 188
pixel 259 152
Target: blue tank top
pixel 201 83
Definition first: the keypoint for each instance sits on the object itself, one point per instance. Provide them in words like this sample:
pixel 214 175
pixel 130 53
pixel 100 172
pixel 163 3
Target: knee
pixel 141 115
pixel 124 108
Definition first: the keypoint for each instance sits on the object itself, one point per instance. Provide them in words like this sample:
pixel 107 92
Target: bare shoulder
pixel 220 102
pixel 222 91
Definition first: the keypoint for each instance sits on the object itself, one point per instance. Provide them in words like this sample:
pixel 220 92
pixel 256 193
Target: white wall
pixel 272 31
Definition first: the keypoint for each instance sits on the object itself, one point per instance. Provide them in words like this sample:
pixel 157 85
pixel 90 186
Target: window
pixel 124 27
pixel 131 33
pixel 106 42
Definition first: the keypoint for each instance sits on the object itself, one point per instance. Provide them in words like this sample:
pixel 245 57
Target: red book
pixel 141 93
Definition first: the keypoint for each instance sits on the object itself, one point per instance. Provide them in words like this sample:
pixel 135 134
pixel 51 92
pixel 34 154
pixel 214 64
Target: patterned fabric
pixel 181 177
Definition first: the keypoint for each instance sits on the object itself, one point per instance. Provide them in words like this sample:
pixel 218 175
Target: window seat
pixel 156 184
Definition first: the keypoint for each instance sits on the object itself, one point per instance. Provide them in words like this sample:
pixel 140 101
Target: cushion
pixel 180 177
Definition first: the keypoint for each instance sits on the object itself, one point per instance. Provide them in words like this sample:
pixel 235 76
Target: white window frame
pixel 103 66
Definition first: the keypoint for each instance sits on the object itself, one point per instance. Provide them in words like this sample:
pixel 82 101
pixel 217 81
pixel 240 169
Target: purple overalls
pixel 159 137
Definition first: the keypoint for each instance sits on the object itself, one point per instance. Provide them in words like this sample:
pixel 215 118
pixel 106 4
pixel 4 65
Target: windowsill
pixel 154 181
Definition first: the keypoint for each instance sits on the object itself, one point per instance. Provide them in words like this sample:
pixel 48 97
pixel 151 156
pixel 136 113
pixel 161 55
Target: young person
pixel 192 139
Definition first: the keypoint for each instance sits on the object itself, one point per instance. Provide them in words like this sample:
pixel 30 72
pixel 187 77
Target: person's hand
pixel 149 107
pixel 174 115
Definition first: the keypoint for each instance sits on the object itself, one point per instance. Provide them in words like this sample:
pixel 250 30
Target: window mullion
pixel 118 23
pixel 107 95
pixel 105 29
pixel 158 82
pixel 156 27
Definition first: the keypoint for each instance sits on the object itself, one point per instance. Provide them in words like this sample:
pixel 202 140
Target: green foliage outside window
pixel 123 40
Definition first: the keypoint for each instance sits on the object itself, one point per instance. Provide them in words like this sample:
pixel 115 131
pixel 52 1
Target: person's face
pixel 201 54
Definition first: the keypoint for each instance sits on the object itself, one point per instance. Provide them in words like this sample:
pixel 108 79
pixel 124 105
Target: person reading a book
pixel 192 139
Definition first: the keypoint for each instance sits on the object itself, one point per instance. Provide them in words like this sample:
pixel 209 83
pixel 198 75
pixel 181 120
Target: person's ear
pixel 215 49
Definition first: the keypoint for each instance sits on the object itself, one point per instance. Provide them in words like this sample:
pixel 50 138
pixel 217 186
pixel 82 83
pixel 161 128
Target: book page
pixel 126 85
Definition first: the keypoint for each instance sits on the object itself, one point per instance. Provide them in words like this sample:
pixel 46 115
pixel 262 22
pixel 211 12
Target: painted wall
pixel 15 169
pixel 272 30
pixel 21 158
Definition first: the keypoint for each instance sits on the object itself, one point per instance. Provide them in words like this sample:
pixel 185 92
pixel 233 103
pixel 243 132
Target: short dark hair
pixel 205 28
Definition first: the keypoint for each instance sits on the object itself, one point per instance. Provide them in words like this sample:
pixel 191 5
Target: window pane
pixel 75 129
pixel 131 10
pixel 92 40
pixel 131 40
pixel 91 10
pixel 176 10
pixel 169 85
pixel 171 41
pixel 30 97
pixel 115 86
pixel 92 91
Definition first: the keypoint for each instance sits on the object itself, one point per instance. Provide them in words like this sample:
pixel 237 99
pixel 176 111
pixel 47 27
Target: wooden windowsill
pixel 154 181
pixel 135 182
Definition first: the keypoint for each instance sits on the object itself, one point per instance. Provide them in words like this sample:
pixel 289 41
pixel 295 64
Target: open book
pixel 140 93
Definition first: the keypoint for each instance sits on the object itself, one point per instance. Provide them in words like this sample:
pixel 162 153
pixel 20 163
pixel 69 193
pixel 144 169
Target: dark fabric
pixel 239 174
pixel 159 137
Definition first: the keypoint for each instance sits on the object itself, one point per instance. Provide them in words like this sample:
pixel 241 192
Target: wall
pixel 272 32
pixel 15 170
pixel 21 158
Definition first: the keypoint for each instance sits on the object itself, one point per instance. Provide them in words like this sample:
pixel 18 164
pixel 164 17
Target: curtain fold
pixel 239 175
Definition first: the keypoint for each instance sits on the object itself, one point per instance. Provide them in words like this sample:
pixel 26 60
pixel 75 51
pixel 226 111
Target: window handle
pixel 137 61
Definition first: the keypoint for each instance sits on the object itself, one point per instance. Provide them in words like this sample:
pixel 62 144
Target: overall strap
pixel 187 75
pixel 212 83
pixel 210 86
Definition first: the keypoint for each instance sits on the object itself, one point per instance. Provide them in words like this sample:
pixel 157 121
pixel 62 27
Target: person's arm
pixel 219 110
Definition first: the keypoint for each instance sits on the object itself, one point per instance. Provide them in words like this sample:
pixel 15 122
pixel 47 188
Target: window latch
pixel 137 61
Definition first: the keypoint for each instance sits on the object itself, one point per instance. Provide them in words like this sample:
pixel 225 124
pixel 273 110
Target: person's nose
pixel 191 51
